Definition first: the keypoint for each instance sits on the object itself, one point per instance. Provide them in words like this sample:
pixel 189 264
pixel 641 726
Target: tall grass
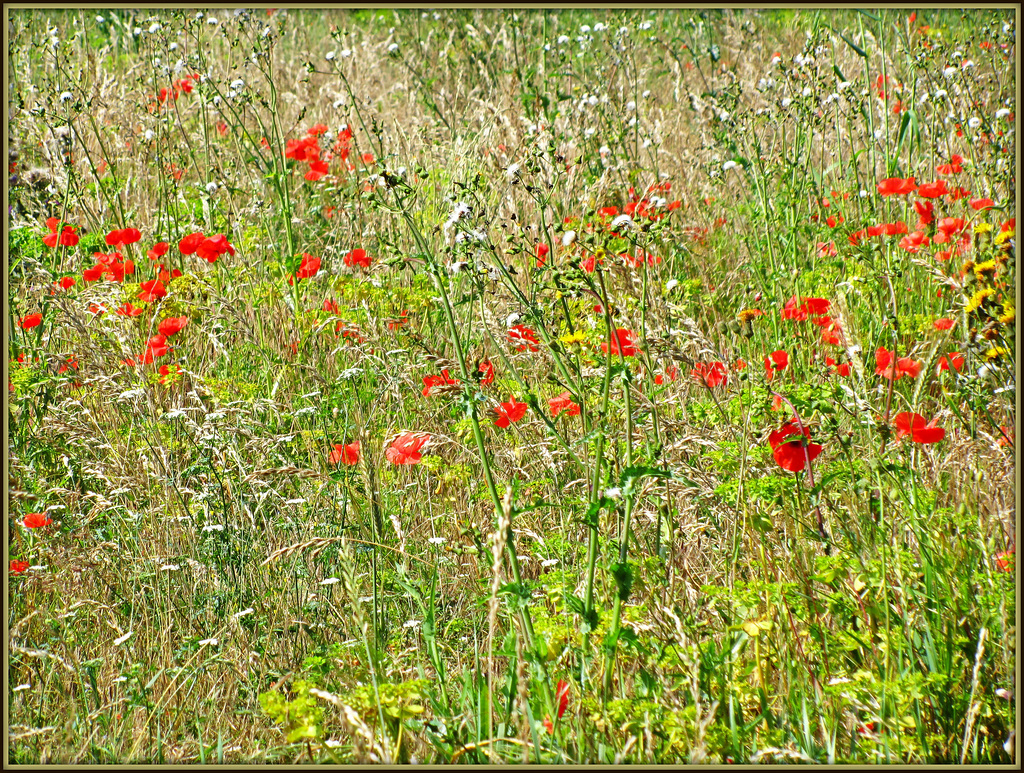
pixel 542 386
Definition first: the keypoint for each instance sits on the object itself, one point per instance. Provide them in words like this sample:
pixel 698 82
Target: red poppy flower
pixel 793 455
pixel 66 238
pixel 368 158
pixel 317 169
pixel 127 310
pixel 842 369
pixel 357 257
pixel 918 428
pixel 671 373
pixel 925 213
pixel 509 412
pixel 407 448
pixel 156 347
pixel 523 338
pixel 623 342
pixel 933 190
pixel 37 520
pixel 832 333
pixel 30 321
pixel 777 361
pixel 189 244
pixel 123 236
pixel 66 283
pixel 542 254
pixel 897 186
pixel 955 360
pixel 914 242
pixel 904 365
pixel 953 167
pixel 950 226
pixel 17 567
pixel 306 149
pixel 213 247
pixel 563 402
pixel 429 382
pixel 347 455
pixel 486 371
pixel 172 325
pixel 307 269
pixel 827 250
pixel 158 250
pixel 1004 560
pixel 801 310
pixel 893 229
pixel 980 204
pixel 944 324
pixel 152 290
pixel 710 374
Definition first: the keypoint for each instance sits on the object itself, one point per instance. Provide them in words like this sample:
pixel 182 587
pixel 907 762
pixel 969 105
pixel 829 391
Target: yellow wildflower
pixel 979 298
pixel 574 338
pixel 980 269
pixel 982 228
pixel 1009 315
pixel 995 353
pixel 1004 236
pixel 748 314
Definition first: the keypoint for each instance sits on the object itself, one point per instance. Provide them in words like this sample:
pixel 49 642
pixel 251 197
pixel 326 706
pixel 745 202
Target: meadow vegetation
pixel 479 386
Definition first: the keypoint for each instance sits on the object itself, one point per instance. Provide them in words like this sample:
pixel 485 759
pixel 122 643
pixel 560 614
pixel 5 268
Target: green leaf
pixel 632 474
pixel 860 51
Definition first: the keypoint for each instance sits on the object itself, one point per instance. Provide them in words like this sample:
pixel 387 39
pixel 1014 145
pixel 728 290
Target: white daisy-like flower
pixel 730 164
pixel 330 55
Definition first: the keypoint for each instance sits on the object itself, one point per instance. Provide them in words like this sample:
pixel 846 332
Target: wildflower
pixel 978 299
pixel 152 290
pixel 509 412
pixel 65 283
pixel 429 382
pixel 710 374
pixel 317 169
pixel 919 430
pixel 671 373
pixel 66 238
pixel 123 236
pixel 827 250
pixel 897 186
pixel 30 321
pixel 485 370
pixel 36 520
pixel 158 251
pixel 1004 560
pixel 307 269
pixel 904 365
pixel 933 190
pixel 17 567
pixel 913 243
pixel 926 213
pixel 747 315
pixel 944 324
pixel 213 247
pixel 523 338
pixel 980 204
pixel 357 257
pixel 347 455
pixel 777 361
pixel 407 448
pixel 563 402
pixel 156 346
pixel 793 455
pixel 189 244
pixel 953 167
pixel 562 695
pixel 623 342
pixel 542 254
pixel 841 369
pixel 809 306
